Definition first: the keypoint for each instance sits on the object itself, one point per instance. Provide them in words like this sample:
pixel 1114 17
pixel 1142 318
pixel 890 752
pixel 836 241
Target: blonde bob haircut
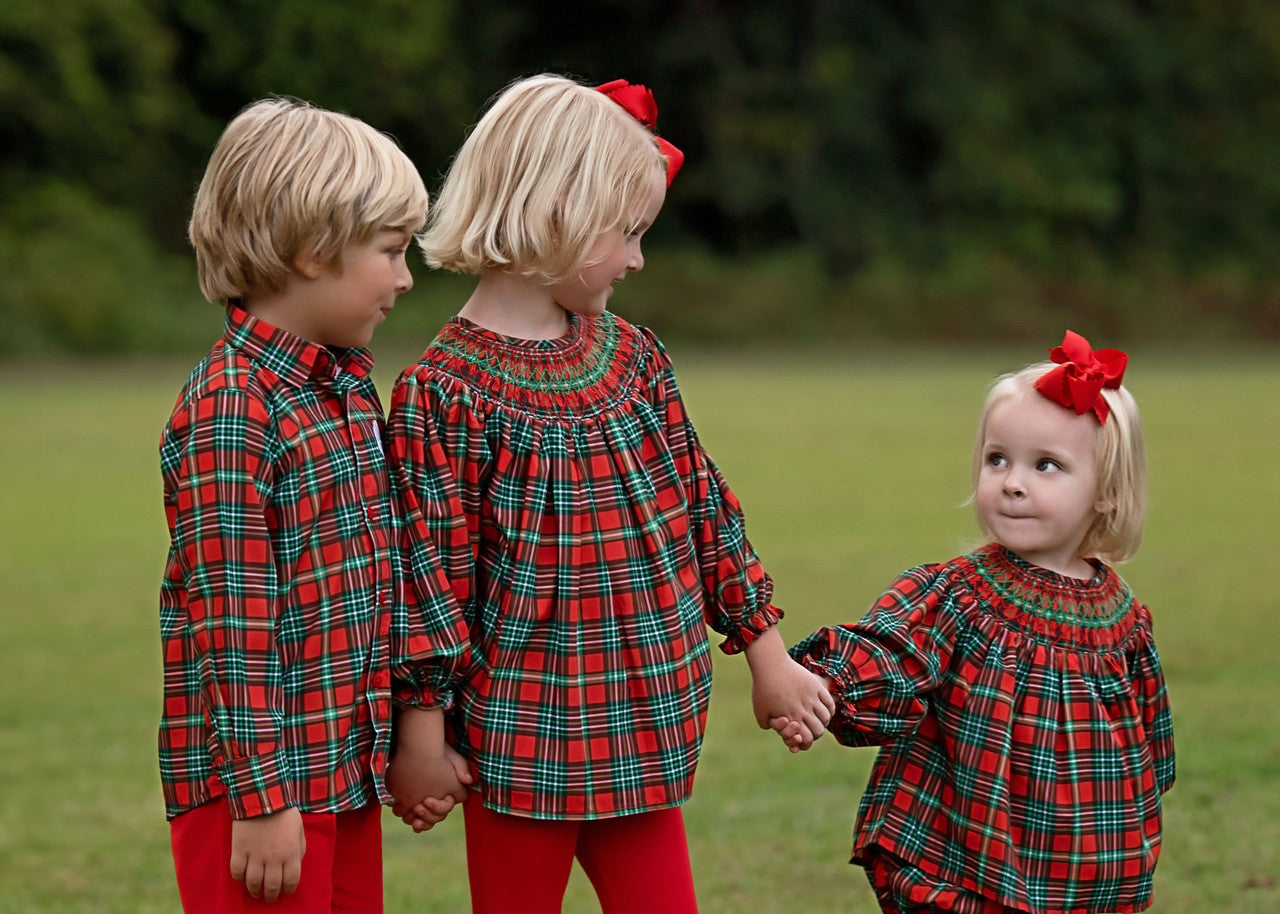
pixel 550 165
pixel 1119 459
pixel 288 179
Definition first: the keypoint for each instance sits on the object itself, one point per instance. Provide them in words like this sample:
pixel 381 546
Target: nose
pixel 1012 486
pixel 635 262
pixel 404 279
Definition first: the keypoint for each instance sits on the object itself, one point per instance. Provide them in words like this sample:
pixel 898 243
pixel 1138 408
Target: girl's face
pixel 614 254
pixel 1038 487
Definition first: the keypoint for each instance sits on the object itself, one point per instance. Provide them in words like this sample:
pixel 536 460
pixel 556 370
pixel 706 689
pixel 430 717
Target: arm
pixel 883 669
pixel 1153 698
pixel 426 777
pixel 439 459
pixel 266 853
pixel 219 459
pixel 737 591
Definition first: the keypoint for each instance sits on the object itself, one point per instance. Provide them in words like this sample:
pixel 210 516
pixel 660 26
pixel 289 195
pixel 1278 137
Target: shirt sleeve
pixel 736 588
pixel 883 668
pixel 429 646
pixel 1157 719
pixel 437 445
pixel 222 541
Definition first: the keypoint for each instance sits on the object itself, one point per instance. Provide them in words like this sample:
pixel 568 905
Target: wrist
pixel 421 732
pixel 766 651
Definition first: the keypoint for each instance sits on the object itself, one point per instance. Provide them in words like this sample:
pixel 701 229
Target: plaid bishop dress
pixel 1025 728
pixel 590 540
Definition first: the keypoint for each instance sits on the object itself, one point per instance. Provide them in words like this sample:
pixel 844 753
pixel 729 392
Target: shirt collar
pixel 287 355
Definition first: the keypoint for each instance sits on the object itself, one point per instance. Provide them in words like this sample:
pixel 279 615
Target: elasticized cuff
pixel 417 695
pixel 753 625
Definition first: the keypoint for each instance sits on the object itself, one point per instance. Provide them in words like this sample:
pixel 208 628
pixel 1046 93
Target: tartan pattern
pixel 1025 728
pixel 283 613
pixel 590 541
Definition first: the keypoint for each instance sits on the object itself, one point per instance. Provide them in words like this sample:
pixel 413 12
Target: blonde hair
pixel 550 165
pixel 1120 462
pixel 287 178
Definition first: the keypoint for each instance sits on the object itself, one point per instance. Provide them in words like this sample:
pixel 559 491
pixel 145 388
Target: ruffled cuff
pixel 424 696
pixel 751 626
pixel 256 785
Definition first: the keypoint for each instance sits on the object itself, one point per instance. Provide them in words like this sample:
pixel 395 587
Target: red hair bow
pixel 1081 375
pixel 639 103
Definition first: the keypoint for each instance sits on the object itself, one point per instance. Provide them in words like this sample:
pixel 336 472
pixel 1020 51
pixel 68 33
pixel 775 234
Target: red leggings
pixel 638 864
pixel 341 869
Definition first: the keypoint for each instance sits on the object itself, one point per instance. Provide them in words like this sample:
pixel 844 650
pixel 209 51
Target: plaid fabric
pixel 1026 731
pixel 282 615
pixel 590 541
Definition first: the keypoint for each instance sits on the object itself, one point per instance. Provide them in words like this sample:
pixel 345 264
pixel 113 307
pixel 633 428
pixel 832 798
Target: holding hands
pixel 426 776
pixel 785 696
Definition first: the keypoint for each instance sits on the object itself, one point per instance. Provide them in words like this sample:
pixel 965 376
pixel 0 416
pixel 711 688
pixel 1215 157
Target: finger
pixel 292 877
pixel 272 879
pixel 461 769
pixel 238 866
pixel 253 878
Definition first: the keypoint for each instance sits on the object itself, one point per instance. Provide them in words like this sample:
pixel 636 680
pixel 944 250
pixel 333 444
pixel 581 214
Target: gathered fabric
pixel 1025 728
pixel 590 541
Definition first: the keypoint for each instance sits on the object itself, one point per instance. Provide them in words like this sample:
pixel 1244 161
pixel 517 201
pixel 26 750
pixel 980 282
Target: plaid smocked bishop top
pixel 591 541
pixel 1025 727
pixel 287 626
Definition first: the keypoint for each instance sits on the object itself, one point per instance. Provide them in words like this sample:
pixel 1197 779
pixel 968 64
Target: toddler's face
pixel 1038 485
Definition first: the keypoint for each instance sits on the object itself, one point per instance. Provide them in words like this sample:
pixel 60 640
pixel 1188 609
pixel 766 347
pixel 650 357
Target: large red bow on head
pixel 640 104
pixel 1081 375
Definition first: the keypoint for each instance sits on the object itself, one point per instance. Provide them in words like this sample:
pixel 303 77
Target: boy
pixel 286 622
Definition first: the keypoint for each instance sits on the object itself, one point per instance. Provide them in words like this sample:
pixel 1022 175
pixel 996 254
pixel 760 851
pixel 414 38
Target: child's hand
pixel 782 688
pixel 792 734
pixel 425 777
pixel 427 788
pixel 266 853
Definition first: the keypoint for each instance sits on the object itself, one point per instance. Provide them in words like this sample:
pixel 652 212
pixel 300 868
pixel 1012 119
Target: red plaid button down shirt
pixel 286 624
pixel 591 541
pixel 1026 731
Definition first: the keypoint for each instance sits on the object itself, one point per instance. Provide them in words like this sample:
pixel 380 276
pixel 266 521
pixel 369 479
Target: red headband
pixel 1081 375
pixel 639 103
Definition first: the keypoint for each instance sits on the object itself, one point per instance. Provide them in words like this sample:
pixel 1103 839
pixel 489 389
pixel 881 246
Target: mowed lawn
pixel 851 467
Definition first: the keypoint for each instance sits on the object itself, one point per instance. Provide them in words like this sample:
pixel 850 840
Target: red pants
pixel 341 869
pixel 638 864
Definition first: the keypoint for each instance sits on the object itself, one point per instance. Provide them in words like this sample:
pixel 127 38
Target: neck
pixel 286 309
pixel 512 305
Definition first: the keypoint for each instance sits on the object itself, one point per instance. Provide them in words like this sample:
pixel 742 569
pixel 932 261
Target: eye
pixel 997 460
pixel 1047 465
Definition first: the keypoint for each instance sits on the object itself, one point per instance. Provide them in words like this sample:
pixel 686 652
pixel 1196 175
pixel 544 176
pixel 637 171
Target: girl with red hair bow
pixel 586 533
pixel 1016 692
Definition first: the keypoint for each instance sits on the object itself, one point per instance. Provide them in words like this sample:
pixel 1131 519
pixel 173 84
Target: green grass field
pixel 851 468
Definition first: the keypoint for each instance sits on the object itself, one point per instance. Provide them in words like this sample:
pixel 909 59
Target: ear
pixel 1104 505
pixel 308 264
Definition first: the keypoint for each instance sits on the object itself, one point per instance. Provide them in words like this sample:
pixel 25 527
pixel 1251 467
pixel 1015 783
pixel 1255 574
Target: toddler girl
pixel 1016 691
pixel 586 533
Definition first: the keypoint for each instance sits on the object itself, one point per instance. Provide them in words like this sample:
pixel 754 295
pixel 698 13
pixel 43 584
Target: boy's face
pixel 342 309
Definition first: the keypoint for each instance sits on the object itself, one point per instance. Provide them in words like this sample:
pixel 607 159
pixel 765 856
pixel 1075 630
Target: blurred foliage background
pixel 875 169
